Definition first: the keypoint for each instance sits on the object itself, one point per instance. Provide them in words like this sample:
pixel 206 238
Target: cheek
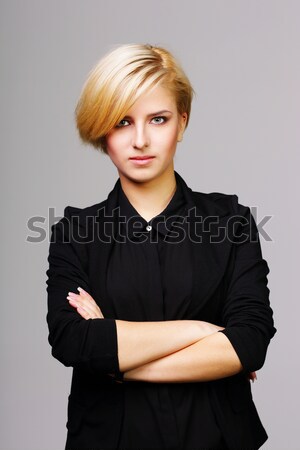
pixel 113 144
pixel 169 139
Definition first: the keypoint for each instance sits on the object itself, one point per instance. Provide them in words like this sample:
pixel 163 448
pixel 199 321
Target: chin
pixel 139 175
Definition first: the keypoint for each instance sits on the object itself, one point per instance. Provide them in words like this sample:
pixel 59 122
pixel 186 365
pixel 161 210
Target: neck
pixel 151 197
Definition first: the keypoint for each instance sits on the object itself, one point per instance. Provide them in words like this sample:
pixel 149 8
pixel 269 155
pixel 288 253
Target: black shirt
pixel 150 278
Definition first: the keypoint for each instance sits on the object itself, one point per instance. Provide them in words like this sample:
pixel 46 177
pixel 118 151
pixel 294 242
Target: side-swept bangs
pixel 118 80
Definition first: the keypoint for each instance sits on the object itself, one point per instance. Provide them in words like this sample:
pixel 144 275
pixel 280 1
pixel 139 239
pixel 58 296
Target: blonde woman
pixel 157 295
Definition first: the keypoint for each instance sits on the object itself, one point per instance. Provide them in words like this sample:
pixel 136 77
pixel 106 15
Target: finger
pixel 83 313
pixel 79 297
pixel 82 300
pixel 86 307
pixel 88 303
pixel 85 294
pixel 93 310
pixel 73 303
pixel 87 298
pixel 252 376
pixel 82 290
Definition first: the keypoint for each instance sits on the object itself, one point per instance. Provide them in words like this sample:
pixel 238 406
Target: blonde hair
pixel 118 80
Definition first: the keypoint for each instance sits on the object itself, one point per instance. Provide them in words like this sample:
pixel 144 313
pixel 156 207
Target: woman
pixel 164 315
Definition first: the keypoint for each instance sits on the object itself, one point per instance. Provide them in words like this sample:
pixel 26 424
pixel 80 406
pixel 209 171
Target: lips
pixel 140 161
pixel 142 157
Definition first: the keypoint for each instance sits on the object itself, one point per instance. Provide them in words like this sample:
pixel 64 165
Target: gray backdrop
pixel 243 59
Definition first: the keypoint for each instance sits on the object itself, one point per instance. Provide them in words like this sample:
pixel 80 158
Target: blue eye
pixel 121 123
pixel 160 119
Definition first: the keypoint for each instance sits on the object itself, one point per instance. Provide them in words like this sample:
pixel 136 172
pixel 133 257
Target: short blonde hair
pixel 118 80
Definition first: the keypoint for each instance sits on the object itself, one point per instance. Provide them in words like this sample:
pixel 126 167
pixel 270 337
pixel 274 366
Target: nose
pixel 140 138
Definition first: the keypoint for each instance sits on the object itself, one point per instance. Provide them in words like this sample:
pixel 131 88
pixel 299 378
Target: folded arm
pixel 208 359
pixel 246 314
pixel 172 350
pixel 140 343
pixel 89 341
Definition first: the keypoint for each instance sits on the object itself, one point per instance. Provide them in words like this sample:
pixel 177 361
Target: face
pixel 151 128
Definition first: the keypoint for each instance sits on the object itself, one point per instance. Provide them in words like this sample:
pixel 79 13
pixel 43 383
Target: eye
pixel 160 119
pixel 122 123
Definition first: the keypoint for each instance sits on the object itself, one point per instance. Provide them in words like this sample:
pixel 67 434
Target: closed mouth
pixel 142 157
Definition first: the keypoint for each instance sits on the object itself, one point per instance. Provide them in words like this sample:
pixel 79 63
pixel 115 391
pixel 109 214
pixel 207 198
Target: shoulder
pixel 219 203
pixel 82 216
pixel 240 219
pixel 77 223
pixel 81 213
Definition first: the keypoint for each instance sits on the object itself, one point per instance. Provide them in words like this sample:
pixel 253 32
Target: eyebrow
pixel 163 111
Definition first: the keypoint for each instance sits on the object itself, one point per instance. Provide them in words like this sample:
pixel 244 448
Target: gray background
pixel 243 60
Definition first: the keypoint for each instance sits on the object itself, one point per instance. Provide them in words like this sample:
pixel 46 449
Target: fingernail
pixel 80 289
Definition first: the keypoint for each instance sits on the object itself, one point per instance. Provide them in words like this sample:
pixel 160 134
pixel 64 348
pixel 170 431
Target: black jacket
pixel 233 280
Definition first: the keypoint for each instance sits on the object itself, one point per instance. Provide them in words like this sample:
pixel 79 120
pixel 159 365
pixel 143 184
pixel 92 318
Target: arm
pixel 98 345
pixel 142 342
pixel 209 359
pixel 246 313
pixel 87 344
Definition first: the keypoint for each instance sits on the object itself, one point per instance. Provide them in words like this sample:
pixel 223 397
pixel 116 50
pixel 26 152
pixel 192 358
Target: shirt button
pixel 148 227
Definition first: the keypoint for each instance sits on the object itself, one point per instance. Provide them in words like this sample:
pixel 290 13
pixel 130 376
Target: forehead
pixel 158 98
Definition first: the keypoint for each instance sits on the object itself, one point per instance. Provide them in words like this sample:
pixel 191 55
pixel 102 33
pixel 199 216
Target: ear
pixel 182 124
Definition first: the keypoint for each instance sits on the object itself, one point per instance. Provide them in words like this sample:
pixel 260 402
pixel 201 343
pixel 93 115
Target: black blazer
pixel 233 281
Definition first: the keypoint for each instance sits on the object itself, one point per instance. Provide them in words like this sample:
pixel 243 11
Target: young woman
pixel 157 295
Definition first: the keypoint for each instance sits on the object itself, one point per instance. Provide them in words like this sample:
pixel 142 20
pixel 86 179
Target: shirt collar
pixel 133 223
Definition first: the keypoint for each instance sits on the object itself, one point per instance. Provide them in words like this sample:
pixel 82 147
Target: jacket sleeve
pixel 247 315
pixel 88 344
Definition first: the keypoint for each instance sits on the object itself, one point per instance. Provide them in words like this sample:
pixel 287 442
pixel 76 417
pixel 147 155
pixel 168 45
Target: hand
pixel 252 376
pixel 85 304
